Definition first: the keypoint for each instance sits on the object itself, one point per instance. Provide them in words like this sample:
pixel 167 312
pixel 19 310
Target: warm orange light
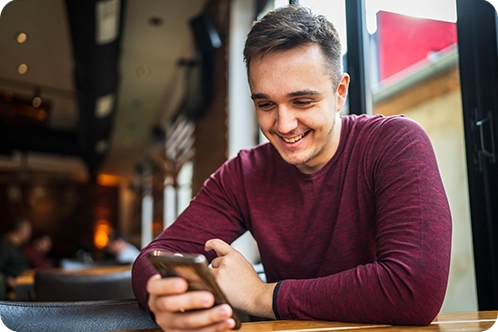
pixel 102 229
pixel 157 226
pixel 100 239
pixel 42 114
pixel 108 180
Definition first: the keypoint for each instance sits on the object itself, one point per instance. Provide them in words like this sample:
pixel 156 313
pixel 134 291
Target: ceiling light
pixel 36 102
pixel 143 71
pixel 22 37
pixel 22 69
pixel 107 21
pixel 104 106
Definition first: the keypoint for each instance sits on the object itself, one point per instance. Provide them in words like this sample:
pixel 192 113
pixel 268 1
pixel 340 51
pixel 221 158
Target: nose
pixel 286 120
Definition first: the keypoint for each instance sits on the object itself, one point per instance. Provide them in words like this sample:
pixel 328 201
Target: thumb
pixel 221 247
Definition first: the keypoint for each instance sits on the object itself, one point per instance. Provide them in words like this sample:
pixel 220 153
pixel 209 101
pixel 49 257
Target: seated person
pixel 37 249
pixel 120 249
pixel 349 212
pixel 12 259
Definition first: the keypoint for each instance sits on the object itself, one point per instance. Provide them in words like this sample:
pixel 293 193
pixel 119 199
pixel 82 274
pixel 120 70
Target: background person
pixel 349 213
pixel 12 259
pixel 36 251
pixel 120 249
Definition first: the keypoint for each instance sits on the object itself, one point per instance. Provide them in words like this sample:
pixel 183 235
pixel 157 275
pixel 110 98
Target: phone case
pixel 194 269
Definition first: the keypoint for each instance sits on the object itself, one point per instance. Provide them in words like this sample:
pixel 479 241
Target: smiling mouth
pixel 295 139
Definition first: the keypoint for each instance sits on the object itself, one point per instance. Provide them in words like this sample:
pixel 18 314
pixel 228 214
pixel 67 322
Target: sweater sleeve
pixel 216 212
pixel 407 282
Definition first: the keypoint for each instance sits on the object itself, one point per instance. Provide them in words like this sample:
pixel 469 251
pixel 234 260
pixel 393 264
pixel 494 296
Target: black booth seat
pixel 55 285
pixel 87 316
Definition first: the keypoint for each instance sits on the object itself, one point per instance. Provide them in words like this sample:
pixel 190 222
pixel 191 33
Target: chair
pixel 88 316
pixel 3 287
pixel 54 285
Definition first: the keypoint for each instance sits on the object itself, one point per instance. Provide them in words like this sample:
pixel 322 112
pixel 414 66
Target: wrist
pixel 262 304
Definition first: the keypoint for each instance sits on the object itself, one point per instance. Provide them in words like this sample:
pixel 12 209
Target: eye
pixel 303 103
pixel 266 105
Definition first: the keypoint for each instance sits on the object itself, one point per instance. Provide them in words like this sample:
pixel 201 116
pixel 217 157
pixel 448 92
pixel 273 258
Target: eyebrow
pixel 291 95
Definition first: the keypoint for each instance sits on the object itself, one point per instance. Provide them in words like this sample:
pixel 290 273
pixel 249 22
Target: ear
pixel 342 91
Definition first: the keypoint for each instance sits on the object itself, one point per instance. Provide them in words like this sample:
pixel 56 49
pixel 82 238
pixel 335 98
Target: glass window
pixel 413 66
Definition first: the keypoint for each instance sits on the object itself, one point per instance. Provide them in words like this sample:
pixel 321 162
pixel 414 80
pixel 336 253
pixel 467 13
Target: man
pixel 12 259
pixel 349 213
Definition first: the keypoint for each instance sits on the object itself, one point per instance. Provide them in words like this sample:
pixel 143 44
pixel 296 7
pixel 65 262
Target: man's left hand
pixel 239 281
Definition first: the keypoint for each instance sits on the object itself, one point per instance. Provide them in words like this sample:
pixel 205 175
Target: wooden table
pixel 24 285
pixel 444 322
pixel 25 281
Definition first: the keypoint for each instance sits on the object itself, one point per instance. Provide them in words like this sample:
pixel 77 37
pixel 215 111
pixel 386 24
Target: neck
pixel 331 148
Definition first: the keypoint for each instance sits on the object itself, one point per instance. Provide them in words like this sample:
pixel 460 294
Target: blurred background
pixel 114 112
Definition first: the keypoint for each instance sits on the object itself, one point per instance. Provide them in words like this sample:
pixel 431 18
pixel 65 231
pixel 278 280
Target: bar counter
pixel 447 322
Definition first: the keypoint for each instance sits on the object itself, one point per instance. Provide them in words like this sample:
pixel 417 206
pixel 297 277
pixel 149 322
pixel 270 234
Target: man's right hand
pixel 175 309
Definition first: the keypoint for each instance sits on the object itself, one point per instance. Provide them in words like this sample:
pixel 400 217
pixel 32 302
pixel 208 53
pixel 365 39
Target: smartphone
pixel 194 269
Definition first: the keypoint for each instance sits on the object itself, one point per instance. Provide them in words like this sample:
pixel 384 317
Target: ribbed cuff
pixel 274 303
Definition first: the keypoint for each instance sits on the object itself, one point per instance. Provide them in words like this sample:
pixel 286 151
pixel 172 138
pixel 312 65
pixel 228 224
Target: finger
pixel 214 319
pixel 184 302
pixel 222 326
pixel 225 325
pixel 221 247
pixel 215 263
pixel 163 286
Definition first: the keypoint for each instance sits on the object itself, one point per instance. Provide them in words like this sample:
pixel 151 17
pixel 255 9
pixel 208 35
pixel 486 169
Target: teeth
pixel 294 139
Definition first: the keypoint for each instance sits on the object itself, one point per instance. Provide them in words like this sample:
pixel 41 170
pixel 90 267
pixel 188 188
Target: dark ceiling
pixel 83 83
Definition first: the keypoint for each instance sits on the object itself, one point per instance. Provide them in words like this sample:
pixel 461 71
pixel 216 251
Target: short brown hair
pixel 289 27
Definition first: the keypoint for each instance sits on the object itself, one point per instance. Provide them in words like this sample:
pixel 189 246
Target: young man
pixel 349 213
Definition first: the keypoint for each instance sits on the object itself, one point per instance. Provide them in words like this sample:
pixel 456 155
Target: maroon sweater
pixel 366 238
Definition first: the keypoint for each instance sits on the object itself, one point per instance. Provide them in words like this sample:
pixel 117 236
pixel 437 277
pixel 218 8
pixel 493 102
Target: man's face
pixel 297 105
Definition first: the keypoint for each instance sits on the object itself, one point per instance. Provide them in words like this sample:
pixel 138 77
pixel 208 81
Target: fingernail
pixel 223 310
pixel 231 323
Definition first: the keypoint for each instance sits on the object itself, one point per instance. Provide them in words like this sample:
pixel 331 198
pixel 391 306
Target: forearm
pixel 141 272
pixel 375 293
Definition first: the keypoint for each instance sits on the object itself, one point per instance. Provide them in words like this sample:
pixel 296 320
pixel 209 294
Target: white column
pixel 242 123
pixel 170 212
pixel 147 214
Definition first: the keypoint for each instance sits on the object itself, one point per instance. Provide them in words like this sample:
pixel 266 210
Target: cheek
pixel 265 121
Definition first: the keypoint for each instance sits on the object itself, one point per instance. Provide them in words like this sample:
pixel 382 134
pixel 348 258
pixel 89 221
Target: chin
pixel 296 161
